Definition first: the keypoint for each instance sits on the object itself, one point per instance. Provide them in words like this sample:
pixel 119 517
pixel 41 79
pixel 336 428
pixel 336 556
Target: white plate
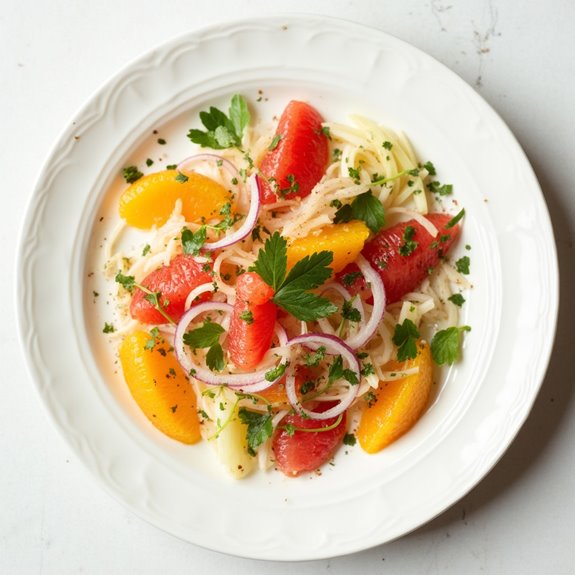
pixel 362 500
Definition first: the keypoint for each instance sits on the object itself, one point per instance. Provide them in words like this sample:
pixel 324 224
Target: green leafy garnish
pixel 409 244
pixel 222 131
pixel 349 312
pixel 457 299
pixel 405 338
pixel 205 336
pixel 462 265
pixel 349 278
pixel 108 328
pixel 336 371
pixel 446 343
pixel 314 358
pixel 387 145
pixel 275 372
pixel 192 242
pixel 131 174
pixel 154 338
pixel 182 178
pixel 349 439
pixel 274 143
pixel 129 283
pixel 247 316
pixel 440 189
pixel 430 168
pixel 260 427
pixel 208 336
pixel 455 219
pixel 291 292
pixel 365 207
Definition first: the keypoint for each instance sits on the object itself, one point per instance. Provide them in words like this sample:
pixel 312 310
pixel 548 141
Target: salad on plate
pixel 291 291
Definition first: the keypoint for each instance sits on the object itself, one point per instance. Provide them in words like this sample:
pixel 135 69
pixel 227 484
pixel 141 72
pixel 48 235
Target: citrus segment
pixel 151 200
pixel 159 386
pixel 398 405
pixel 345 241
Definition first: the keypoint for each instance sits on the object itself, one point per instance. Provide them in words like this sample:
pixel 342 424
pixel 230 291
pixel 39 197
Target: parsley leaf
pixel 457 299
pixel 131 174
pixel 182 178
pixel 192 242
pixel 349 312
pixel 247 316
pixel 445 344
pixel 222 131
pixel 405 338
pixel 336 371
pixel 409 244
pixel 205 336
pixel 271 264
pixel 349 439
pixel 127 282
pixel 430 168
pixel 462 265
pixel 259 425
pixel 364 207
pixel 291 291
pixel 215 358
pixel 440 189
pixel 108 328
pixel 304 305
pixel 313 359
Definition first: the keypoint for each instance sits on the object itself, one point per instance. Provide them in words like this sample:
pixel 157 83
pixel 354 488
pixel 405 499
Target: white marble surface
pixel 54 518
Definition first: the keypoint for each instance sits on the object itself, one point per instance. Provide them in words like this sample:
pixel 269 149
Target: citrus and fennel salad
pixel 292 289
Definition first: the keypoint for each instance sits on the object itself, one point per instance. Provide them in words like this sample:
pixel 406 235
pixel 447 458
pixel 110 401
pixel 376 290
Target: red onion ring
pixel 254 381
pixel 360 338
pixel 334 346
pixel 187 164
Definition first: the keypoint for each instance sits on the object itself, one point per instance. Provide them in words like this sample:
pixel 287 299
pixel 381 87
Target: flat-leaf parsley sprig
pixel 292 291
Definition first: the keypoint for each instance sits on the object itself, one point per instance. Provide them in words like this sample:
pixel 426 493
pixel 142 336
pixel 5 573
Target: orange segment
pixel 344 240
pixel 399 404
pixel 160 387
pixel 151 199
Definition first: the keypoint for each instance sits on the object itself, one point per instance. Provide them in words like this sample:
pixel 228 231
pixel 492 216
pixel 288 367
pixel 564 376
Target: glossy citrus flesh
pixel 160 387
pixel 253 320
pixel 305 451
pixel 300 156
pixel 174 282
pixel 402 274
pixel 345 241
pixel 399 404
pixel 151 200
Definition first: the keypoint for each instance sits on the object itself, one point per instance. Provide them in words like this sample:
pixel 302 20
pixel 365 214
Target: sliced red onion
pixel 334 346
pixel 254 381
pixel 360 338
pixel 248 223
pixel 188 164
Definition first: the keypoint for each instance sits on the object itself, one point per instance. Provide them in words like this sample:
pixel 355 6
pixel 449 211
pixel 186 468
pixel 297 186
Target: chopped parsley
pixel 275 372
pixel 455 219
pixel 462 265
pixel 182 178
pixel 313 359
pixel 409 244
pixel 440 189
pixel 349 312
pixel 247 316
pixel 457 299
pixel 131 174
pixel 192 242
pixel 337 371
pixel 108 328
pixel 349 439
pixel 387 145
pixel 349 278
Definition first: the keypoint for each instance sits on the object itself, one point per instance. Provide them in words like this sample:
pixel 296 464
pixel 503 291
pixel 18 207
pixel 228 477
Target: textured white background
pixel 54 519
